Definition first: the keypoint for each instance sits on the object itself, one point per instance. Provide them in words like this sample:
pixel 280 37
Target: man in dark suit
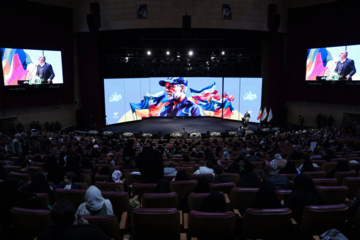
pixel 345 67
pixel 45 71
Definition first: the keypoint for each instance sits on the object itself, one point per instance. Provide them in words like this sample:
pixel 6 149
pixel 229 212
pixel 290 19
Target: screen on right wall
pixel 333 64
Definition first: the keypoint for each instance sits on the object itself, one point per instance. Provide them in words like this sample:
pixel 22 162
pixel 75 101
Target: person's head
pixel 181 176
pixel 342 165
pixel 203 185
pixel 116 176
pixel 215 202
pixel 175 88
pixel 218 170
pixel 304 182
pixel 266 198
pixel 63 213
pixel 69 177
pixel 343 55
pixel 307 166
pixel 93 198
pixel 162 186
pixel 41 58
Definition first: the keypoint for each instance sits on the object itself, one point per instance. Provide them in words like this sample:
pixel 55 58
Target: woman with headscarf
pixel 303 194
pixel 226 155
pixel 116 176
pixel 94 203
pixel 278 162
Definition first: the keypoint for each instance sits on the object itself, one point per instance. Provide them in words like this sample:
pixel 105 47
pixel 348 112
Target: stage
pixel 169 125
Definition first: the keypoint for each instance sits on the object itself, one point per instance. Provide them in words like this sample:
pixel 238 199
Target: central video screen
pixel 132 99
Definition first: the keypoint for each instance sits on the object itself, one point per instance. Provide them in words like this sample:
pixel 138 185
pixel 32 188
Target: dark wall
pixel 37 26
pixel 332 24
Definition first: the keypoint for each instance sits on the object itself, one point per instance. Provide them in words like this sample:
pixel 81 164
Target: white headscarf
pixel 93 198
pixel 116 176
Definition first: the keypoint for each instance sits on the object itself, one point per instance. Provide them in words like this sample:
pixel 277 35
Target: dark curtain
pixel 89 78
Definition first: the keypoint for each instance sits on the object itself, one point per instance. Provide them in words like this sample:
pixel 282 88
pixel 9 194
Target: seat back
pixel 85 178
pixel 30 222
pixel 234 176
pixel 242 198
pixel 182 188
pixel 43 197
pixel 267 223
pixel 196 200
pixel 119 201
pixel 107 223
pixel 316 174
pixel 151 223
pixel 353 184
pixel 160 200
pixel 341 175
pixel 81 185
pixel 325 181
pixel 197 176
pixel 24 176
pixel 75 196
pixel 101 178
pixel 141 188
pixel 210 225
pixel 318 219
pixel 9 169
pixel 222 187
pixel 328 166
pixel 333 194
pixel 131 178
pixel 109 186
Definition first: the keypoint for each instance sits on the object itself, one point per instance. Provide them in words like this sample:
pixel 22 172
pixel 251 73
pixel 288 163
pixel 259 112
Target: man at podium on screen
pixel 178 104
pixel 345 67
pixel 44 71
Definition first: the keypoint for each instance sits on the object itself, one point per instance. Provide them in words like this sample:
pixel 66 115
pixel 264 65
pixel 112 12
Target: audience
pixel 304 194
pixel 68 225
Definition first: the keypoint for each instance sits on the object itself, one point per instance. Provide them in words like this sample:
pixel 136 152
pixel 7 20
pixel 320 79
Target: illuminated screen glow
pixel 20 66
pixel 132 99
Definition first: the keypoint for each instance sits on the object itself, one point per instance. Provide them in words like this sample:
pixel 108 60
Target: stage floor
pixel 170 125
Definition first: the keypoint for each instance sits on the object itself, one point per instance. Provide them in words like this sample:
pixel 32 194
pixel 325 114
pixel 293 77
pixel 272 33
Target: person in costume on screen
pixel 44 71
pixel 178 105
pixel 345 67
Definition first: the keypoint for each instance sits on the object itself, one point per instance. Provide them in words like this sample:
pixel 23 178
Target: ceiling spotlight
pixel 191 53
pixel 149 53
pixel 126 59
pixel 222 52
pixel 167 52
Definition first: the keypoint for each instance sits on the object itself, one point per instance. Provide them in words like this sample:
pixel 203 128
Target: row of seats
pixel 170 223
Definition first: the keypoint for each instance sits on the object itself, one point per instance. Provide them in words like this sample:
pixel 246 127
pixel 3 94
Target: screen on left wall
pixel 22 67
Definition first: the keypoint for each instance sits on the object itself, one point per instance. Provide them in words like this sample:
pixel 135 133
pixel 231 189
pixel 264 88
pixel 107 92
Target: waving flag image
pixel 150 106
pixel 316 63
pixel 212 103
pixel 14 62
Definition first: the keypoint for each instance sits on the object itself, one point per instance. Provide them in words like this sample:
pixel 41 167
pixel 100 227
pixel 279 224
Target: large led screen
pixel 31 66
pixel 338 63
pixel 131 99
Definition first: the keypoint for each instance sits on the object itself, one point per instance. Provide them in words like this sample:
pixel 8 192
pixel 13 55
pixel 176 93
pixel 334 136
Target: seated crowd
pixel 285 169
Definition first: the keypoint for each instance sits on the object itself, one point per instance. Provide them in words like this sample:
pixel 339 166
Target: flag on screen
pixel 264 115
pixel 270 115
pixel 260 114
